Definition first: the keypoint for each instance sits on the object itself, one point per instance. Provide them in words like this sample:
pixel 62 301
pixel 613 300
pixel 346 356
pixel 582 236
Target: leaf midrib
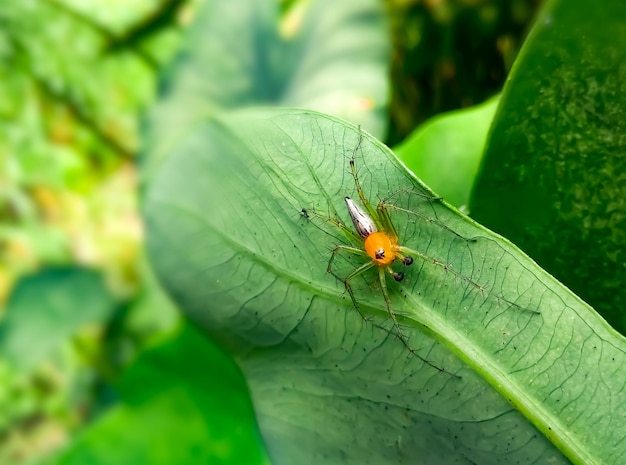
pixel 475 358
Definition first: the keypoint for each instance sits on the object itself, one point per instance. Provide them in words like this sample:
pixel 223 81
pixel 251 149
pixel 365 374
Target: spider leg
pixel 346 280
pixel 411 190
pixel 383 207
pixel 397 330
pixel 357 183
pixel 310 213
pixel 457 274
pixel 445 266
pixel 352 250
pixel 392 315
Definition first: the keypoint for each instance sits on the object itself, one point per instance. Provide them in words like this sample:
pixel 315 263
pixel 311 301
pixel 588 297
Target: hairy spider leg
pixel 360 270
pixel 411 190
pixel 381 217
pixel 339 224
pixel 383 285
pixel 385 291
pixel 448 269
pixel 384 217
pixel 380 214
pixel 383 206
pixel 359 189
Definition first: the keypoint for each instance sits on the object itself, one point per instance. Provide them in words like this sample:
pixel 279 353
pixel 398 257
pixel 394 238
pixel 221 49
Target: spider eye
pixel 380 254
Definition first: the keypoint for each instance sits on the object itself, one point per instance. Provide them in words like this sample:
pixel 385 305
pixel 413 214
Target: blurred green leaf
pixel 552 180
pixel 445 152
pixel 47 308
pixel 322 54
pixel 183 402
pixel 227 239
pixel 152 312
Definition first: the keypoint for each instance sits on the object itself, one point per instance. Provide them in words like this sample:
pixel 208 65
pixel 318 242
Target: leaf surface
pixel 228 239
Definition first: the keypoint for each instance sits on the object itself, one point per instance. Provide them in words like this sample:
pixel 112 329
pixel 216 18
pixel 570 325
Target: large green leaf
pixel 552 177
pixel 445 152
pixel 227 238
pixel 173 411
pixel 322 54
pixel 49 307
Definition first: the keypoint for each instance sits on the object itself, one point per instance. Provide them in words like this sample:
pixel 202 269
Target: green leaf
pixel 47 308
pixel 174 412
pixel 321 54
pixel 445 152
pixel 227 238
pixel 552 177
